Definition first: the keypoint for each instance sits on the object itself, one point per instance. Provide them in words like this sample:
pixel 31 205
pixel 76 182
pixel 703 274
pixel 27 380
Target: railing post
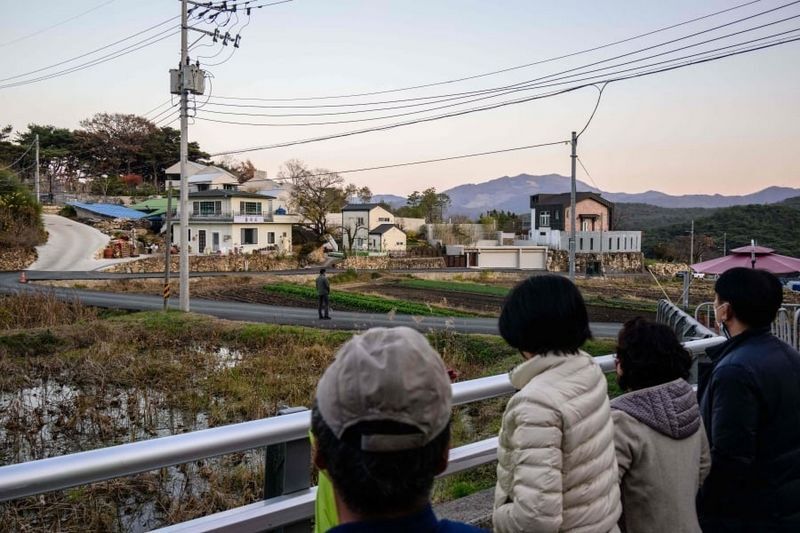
pixel 287 469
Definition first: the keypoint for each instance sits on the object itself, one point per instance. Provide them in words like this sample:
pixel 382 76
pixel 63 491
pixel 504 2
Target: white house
pixel 371 228
pixel 221 221
pixel 204 177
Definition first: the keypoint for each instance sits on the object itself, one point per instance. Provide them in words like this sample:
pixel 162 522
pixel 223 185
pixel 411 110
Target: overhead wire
pixel 518 89
pixel 466 94
pixel 440 159
pixel 501 104
pixel 517 67
pixel 57 24
pixel 92 52
pixel 20 158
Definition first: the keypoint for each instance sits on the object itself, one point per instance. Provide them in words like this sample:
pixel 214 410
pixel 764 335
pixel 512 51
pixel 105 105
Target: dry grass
pixel 41 308
pixel 100 382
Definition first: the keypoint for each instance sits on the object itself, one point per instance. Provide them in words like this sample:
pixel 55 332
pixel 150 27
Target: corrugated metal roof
pixel 110 210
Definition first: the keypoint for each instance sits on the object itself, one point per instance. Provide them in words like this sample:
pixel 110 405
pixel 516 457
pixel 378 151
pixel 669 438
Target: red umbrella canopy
pixel 765 259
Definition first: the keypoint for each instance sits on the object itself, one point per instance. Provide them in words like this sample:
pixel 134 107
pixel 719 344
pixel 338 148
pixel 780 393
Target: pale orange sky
pixel 729 127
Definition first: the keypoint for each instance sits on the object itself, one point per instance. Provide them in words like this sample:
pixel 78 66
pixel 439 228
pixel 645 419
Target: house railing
pixel 56 473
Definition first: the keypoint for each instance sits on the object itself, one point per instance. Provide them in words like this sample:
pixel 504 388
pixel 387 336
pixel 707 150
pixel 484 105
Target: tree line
pixel 109 153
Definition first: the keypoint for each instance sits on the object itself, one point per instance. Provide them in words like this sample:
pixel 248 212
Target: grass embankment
pixel 84 382
pixel 590 296
pixel 366 302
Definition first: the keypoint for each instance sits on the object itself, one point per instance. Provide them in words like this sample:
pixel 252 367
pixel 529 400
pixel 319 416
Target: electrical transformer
pixel 194 80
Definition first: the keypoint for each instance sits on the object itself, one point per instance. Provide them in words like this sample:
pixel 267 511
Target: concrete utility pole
pixel 168 247
pixel 725 243
pixel 38 196
pixel 572 209
pixel 184 192
pixel 691 246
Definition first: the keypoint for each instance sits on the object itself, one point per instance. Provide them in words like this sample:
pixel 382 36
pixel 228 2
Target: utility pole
pixel 572 210
pixel 691 246
pixel 168 248
pixel 38 196
pixel 184 190
pixel 725 243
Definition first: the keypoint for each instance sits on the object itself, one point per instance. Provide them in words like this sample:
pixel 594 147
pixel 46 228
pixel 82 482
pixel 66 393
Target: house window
pixel 207 208
pixel 544 219
pixel 359 242
pixel 383 219
pixel 249 236
pixel 271 237
pixel 584 225
pixel 250 208
pixel 229 187
pixel 360 221
pixel 202 186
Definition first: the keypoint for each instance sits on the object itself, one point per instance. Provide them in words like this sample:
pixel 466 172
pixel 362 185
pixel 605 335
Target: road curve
pixel 273 314
pixel 70 246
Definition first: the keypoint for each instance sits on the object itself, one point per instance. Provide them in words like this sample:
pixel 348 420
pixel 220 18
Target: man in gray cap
pixel 381 422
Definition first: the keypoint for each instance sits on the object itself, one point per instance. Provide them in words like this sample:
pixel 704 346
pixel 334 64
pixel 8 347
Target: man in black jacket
pixel 750 402
pixel 323 293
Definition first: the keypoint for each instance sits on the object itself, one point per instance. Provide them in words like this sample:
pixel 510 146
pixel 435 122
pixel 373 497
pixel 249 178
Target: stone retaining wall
pixel 209 263
pixel 613 262
pixel 393 263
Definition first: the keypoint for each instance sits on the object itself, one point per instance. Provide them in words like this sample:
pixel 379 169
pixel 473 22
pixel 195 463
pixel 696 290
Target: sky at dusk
pixel 727 127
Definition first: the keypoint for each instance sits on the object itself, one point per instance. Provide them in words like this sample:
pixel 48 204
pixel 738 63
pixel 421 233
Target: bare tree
pixel 314 193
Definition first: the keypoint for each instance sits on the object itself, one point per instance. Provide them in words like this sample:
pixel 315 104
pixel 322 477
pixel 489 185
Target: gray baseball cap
pixel 387 374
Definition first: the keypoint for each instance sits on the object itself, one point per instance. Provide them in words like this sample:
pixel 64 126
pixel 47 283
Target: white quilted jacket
pixel 557 468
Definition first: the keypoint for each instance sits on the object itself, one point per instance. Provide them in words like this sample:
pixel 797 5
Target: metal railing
pixel 57 473
pixel 786 325
pixel 684 325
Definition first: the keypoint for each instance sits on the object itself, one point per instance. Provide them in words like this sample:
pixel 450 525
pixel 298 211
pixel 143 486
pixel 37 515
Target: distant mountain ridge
pixel 512 193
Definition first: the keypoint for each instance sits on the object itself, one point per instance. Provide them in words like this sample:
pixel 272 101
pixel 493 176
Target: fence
pixel 786 325
pixel 291 430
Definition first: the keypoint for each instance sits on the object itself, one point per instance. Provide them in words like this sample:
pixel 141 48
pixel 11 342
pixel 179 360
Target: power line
pixel 437 160
pixel 509 69
pixel 518 89
pixel 498 105
pixel 159 106
pixel 587 173
pixel 103 59
pixel 92 52
pixel 47 28
pixel 523 84
pixel 20 157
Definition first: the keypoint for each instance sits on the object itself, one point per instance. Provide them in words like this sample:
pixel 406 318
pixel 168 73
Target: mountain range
pixel 512 193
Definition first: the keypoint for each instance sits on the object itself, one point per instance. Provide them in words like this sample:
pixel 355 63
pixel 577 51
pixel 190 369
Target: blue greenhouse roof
pixel 110 210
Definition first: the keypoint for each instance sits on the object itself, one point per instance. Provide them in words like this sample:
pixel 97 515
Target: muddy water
pixel 50 418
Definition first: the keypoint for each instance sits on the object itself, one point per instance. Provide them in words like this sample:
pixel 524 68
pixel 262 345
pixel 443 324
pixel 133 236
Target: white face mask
pixel 722 327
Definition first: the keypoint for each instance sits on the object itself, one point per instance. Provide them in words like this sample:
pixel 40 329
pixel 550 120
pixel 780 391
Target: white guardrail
pixel 57 473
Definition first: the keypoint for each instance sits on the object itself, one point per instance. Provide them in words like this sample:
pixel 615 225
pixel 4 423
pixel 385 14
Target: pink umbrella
pixel 750 257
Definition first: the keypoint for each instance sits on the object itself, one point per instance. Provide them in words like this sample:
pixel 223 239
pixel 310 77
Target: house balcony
pixel 238 217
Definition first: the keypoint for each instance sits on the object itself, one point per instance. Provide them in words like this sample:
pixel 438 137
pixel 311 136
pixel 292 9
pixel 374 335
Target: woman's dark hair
pixel 650 354
pixel 375 484
pixel 754 295
pixel 545 314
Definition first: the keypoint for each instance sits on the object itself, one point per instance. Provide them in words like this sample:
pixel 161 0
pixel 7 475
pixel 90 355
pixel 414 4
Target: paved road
pixel 70 246
pixel 281 315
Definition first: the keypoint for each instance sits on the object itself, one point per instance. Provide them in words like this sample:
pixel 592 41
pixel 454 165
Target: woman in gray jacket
pixel 662 450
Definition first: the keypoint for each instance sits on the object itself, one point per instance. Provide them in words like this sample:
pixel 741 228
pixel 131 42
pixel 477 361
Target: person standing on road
pixel 323 291
pixel 750 403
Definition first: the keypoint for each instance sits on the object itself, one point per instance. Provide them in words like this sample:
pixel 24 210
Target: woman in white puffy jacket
pixel 557 469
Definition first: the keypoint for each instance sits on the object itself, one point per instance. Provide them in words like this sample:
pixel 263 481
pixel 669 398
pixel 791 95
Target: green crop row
pixel 364 302
pixel 455 286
